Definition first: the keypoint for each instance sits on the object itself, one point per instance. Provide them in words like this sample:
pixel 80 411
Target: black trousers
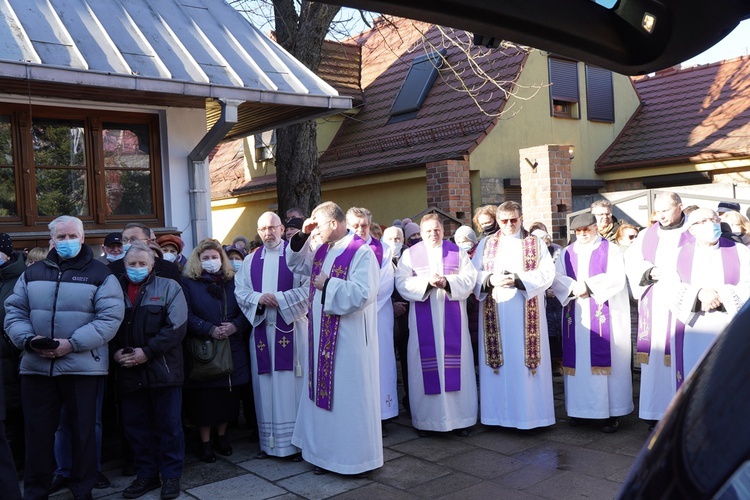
pixel 43 398
pixel 8 476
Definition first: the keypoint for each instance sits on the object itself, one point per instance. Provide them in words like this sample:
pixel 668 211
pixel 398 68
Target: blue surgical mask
pixel 2 261
pixel 113 258
pixel 709 233
pixel 126 247
pixel 68 248
pixel 236 264
pixel 137 274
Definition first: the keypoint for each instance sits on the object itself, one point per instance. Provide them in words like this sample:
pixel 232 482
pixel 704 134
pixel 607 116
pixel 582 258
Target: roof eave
pixel 120 82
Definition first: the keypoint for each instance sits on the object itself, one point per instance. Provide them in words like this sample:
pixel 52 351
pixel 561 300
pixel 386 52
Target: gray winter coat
pixel 76 299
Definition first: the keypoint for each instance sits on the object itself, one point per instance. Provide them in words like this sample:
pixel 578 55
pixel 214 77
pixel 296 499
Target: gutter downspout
pixel 198 169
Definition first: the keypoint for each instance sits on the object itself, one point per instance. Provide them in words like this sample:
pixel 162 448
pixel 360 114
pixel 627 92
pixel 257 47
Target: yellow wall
pixel 387 196
pixel 528 123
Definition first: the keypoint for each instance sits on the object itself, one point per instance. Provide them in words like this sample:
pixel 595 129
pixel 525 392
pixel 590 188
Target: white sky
pixel 736 44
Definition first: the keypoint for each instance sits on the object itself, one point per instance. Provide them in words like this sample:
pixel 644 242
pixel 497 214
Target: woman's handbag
pixel 209 359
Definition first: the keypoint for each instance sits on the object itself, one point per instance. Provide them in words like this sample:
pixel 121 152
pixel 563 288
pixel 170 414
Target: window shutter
pixel 600 94
pixel 563 76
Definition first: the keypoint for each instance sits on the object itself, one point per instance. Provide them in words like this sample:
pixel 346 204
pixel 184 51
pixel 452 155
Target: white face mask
pixel 170 257
pixel 395 247
pixel 466 245
pixel 212 266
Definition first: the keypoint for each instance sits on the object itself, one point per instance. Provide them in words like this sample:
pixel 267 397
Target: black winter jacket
pixel 156 323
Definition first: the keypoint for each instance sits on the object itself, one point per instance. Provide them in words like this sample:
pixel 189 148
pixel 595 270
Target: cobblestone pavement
pixel 559 462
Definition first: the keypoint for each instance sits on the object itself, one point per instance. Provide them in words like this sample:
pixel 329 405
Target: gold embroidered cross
pixel 261 345
pixel 284 341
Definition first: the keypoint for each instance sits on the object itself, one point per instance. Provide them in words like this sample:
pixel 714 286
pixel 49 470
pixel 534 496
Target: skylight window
pixel 416 86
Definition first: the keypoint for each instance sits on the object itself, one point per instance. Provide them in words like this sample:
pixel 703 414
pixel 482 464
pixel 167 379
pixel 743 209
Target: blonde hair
pixel 193 268
pixel 732 217
pixel 36 254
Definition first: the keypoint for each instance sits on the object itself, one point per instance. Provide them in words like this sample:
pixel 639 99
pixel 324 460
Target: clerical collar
pixel 676 225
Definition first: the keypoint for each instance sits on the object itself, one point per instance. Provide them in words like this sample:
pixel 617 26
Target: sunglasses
pixel 505 221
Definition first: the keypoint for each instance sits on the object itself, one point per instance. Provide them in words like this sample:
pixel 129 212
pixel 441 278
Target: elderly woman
pixel 213 312
pixel 739 225
pixel 149 373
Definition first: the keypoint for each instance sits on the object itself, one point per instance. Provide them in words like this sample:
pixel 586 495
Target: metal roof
pixel 170 52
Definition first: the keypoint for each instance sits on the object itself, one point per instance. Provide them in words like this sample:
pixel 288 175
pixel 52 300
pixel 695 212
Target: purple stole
pixel 284 355
pixel 329 326
pixel 425 329
pixel 730 261
pixel 645 305
pixel 377 247
pixel 493 346
pixel 601 350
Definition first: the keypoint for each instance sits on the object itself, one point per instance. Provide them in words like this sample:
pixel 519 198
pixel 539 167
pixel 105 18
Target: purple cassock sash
pixel 377 247
pixel 645 305
pixel 426 330
pixel 601 350
pixel 730 262
pixel 329 326
pixel 284 351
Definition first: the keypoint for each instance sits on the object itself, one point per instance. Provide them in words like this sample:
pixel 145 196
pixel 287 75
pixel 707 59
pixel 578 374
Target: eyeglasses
pixel 505 221
pixel 125 241
pixel 603 215
pixel 268 229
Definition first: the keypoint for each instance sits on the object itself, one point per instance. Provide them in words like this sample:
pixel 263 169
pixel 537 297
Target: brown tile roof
pixel 340 65
pixel 691 115
pixel 449 124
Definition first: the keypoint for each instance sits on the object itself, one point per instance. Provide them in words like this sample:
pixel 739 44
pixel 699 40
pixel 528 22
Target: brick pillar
pixel 449 189
pixel 546 189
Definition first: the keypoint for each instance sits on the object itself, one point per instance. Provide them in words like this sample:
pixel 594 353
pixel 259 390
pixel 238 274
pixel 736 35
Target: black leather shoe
pixel 319 471
pixel 206 453
pixel 101 482
pixel 223 446
pixel 170 488
pixel 575 422
pixel 297 457
pixel 262 455
pixel 461 432
pixel 611 425
pixel 58 482
pixel 140 487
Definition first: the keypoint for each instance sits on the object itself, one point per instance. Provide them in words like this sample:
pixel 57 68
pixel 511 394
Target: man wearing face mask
pixel 135 231
pixel 112 248
pixel 590 284
pixel 651 257
pixel 149 373
pixel 710 286
pixel 274 300
pixel 62 313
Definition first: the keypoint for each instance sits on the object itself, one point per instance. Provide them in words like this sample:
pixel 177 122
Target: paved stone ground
pixel 559 462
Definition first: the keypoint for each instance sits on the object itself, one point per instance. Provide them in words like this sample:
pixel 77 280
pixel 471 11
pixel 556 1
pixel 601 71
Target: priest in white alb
pixel 359 220
pixel 712 283
pixel 591 285
pixel 436 277
pixel 338 424
pixel 274 300
pixel 515 372
pixel 651 256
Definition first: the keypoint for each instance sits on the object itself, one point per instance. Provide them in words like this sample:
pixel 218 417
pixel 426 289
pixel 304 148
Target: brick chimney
pixel 449 189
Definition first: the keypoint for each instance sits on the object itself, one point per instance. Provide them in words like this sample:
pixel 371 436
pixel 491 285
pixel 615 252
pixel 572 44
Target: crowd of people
pixel 302 326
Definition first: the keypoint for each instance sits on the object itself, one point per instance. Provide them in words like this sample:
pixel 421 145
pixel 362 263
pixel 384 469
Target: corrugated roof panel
pixel 162 38
pixel 198 44
pixel 128 40
pixel 282 69
pixel 47 33
pixel 90 37
pixel 14 43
